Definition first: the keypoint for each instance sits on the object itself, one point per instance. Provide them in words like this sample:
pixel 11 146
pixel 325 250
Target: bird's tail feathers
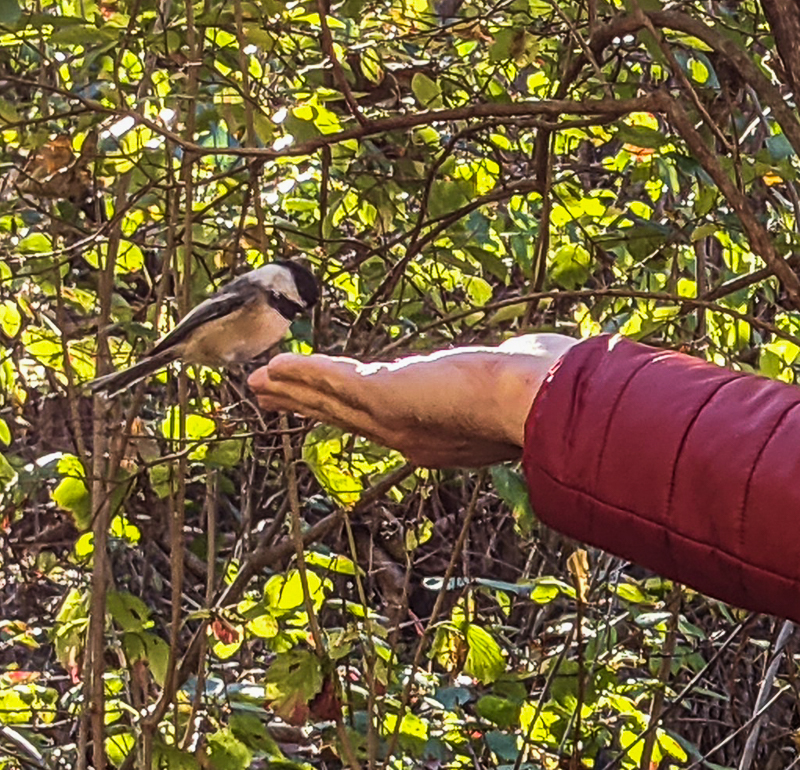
pixel 114 383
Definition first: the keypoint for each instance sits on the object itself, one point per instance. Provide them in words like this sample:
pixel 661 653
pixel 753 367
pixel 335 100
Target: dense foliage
pixel 186 582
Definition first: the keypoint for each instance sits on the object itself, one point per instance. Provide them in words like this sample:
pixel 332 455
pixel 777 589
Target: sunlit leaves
pixel 324 450
pixel 10 318
pixel 570 266
pixel 468 647
pixel 331 563
pixel 285 593
pixel 69 630
pixel 72 494
pixel 227 752
pixel 197 426
pixel 412 731
pixel 118 746
pixel 777 358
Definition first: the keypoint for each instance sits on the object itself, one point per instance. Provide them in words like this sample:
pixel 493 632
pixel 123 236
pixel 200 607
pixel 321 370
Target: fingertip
pixel 259 378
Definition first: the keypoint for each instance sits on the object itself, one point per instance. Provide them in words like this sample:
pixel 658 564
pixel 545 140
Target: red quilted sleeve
pixel 681 466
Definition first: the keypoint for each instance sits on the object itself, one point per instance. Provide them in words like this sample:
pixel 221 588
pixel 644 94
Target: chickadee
pixel 242 320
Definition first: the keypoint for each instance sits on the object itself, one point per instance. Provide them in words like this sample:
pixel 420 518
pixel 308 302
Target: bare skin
pixel 461 407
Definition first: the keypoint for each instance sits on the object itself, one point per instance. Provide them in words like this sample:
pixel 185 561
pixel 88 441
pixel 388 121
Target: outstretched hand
pixel 461 407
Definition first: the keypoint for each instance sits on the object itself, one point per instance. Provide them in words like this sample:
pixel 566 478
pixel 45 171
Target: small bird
pixel 236 324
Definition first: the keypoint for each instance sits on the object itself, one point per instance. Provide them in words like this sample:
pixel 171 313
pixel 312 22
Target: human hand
pixel 461 407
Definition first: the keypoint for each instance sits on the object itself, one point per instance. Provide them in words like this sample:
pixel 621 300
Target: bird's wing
pixel 232 297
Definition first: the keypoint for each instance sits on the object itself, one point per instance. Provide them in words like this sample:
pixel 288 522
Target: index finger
pixel 324 373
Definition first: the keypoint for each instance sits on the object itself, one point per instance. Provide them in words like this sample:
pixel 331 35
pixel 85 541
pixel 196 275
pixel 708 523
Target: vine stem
pixel 299 549
pixel 182 263
pixel 759 710
pixel 437 608
pixel 105 463
pixel 668 650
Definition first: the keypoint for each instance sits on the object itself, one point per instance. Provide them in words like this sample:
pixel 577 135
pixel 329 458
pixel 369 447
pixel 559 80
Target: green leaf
pixel 452 697
pixel 227 453
pixel 161 479
pixel 629 740
pixel 128 611
pixel 5 433
pixel 632 593
pixel 413 732
pixel 252 732
pixel 264 625
pixel 10 318
pixel 198 426
pixel 513 491
pixel 351 9
pixel 292 680
pixel 14 709
pixel 641 136
pixel 130 258
pixel 118 747
pixel 669 745
pixel 69 629
pixel 501 711
pixel 227 752
pixel 149 648
pixel 122 528
pixel 427 91
pixel 283 594
pixel 10 11
pixel 500 50
pixel 322 452
pixel 8 112
pixel 485 659
pixel 71 494
pixel 86 35
pixel 698 71
pixel 84 547
pixel 504 745
pixel 780 148
pixel 331 562
pixel 570 265
pixel 36 243
pixel 172 758
pixel 548 588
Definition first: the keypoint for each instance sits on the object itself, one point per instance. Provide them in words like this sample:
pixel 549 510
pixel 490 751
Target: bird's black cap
pixel 307 286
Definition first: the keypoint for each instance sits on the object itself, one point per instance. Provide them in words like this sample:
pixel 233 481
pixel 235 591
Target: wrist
pixel 532 357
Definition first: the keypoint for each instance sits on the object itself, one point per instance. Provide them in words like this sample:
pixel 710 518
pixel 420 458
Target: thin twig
pixel 104 470
pixel 326 40
pixel 458 548
pixel 759 709
pixel 688 302
pixel 308 600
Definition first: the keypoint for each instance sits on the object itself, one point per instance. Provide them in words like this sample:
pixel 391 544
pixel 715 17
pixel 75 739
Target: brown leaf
pixel 578 565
